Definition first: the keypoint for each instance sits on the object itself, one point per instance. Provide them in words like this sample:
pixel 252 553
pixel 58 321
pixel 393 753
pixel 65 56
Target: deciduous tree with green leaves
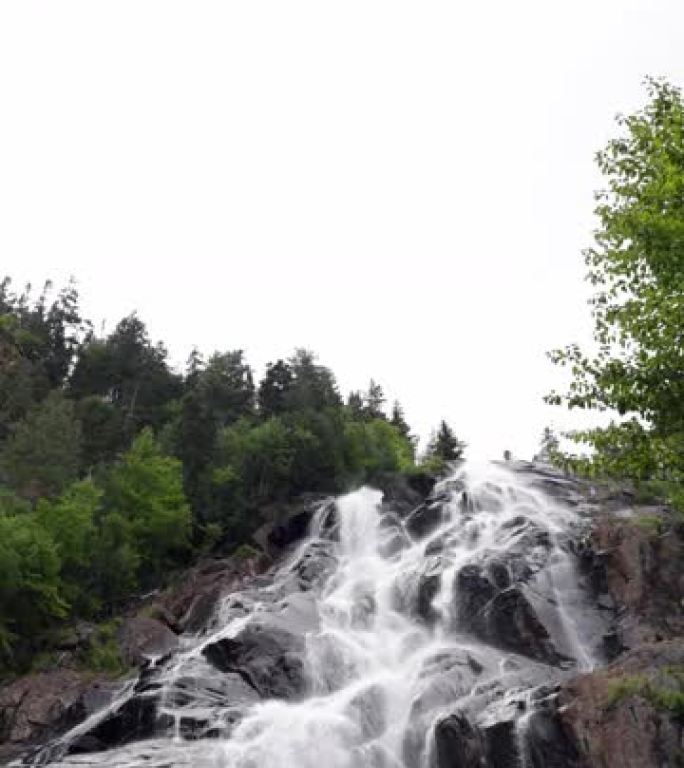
pixel 145 489
pixel 636 267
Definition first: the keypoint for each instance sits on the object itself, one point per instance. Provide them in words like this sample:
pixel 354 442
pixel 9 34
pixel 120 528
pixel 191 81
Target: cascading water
pixel 385 641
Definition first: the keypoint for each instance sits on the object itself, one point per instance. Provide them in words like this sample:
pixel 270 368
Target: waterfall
pixel 386 640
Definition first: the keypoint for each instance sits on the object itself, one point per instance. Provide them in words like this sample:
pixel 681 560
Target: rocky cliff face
pixel 500 621
pixel 631 714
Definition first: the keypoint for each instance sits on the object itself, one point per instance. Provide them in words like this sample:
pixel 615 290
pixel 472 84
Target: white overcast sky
pixel 404 187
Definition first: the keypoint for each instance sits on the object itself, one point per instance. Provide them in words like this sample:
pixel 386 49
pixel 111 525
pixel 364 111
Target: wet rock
pixel 401 494
pixel 498 574
pixel 457 744
pixel 428 588
pixel 547 744
pixel 141 638
pixel 135 719
pixel 315 564
pixel 369 709
pixel 473 591
pixel 330 522
pixel 268 657
pixel 445 677
pixel 512 623
pixel 293 524
pixel 363 611
pixel 392 543
pixel 438 544
pixel 414 591
pixel 501 616
pixel 393 538
pixel 501 745
pixel 141 715
pixel 425 518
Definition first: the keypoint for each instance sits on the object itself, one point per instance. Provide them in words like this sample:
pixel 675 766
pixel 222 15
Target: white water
pixel 379 675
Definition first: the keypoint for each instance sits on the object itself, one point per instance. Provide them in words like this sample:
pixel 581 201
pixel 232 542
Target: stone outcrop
pixel 189 606
pixel 636 568
pixel 141 638
pixel 37 707
pixel 629 715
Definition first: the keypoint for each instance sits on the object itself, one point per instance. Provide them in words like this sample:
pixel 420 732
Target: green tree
pixel 636 268
pixel 398 420
pixel 39 339
pixel 145 492
pixel 70 520
pixel 355 406
pixel 227 386
pixel 217 394
pixel 313 386
pixel 375 447
pixel 30 586
pixel 129 372
pixel 274 388
pixel 444 445
pixel 43 455
pixel 374 401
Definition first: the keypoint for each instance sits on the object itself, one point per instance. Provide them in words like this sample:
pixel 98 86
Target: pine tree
pixel 445 445
pixel 374 401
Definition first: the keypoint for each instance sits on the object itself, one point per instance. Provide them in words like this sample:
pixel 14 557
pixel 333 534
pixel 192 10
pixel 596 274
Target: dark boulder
pixel 268 657
pixel 501 616
pixel 415 590
pixel 399 494
pixel 425 518
pixel 315 564
pixel 473 591
pixel 291 530
pixel 501 745
pixel 329 522
pixel 547 744
pixel 457 744
pixel 135 719
pixel 512 623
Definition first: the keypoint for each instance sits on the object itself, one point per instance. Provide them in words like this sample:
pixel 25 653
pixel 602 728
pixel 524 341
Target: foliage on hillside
pixel 115 469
